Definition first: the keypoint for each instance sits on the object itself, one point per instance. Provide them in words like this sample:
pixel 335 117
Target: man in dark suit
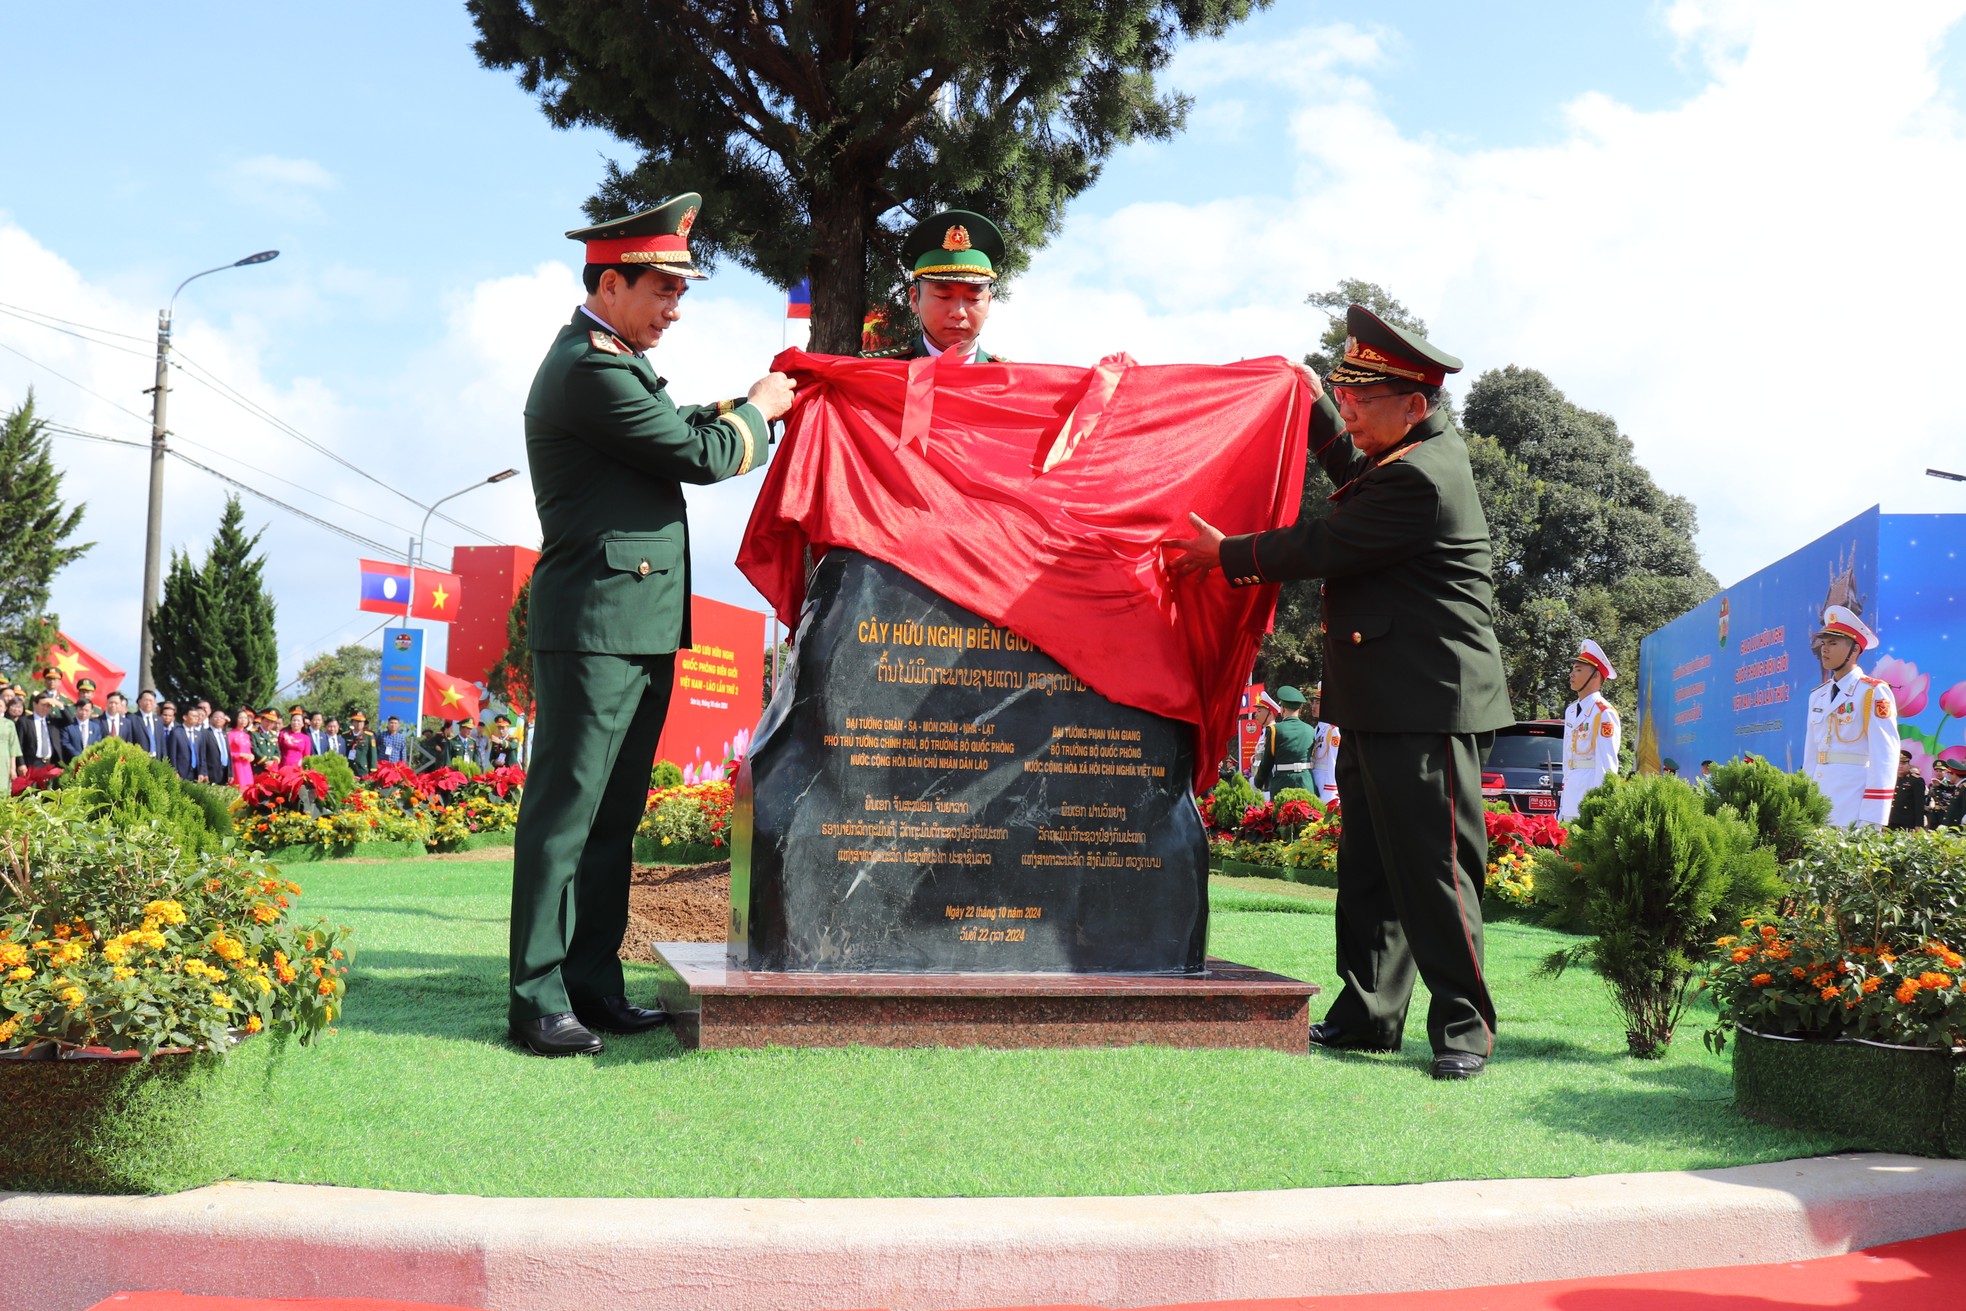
pixel 145 728
pixel 332 740
pixel 317 735
pixel 115 715
pixel 82 731
pixel 40 736
pixel 1412 674
pixel 191 752
pixel 609 453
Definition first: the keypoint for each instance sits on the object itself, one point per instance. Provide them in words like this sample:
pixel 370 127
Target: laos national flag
pixel 385 588
pixel 798 301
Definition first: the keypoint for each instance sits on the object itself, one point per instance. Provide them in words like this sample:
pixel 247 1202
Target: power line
pixel 43 314
pixel 71 382
pixel 80 336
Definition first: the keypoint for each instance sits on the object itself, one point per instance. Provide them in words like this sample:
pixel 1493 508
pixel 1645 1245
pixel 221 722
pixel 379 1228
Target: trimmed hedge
pixel 1884 1099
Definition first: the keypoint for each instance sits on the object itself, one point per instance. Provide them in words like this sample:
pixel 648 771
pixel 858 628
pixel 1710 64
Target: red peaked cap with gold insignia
pixel 957 245
pixel 1376 352
pixel 656 237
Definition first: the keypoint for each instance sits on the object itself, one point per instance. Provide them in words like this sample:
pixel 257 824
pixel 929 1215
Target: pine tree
pixel 510 680
pixel 819 131
pixel 214 628
pixel 34 530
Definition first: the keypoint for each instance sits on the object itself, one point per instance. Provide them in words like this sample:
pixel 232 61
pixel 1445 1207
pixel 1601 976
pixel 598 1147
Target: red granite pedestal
pixel 717 1005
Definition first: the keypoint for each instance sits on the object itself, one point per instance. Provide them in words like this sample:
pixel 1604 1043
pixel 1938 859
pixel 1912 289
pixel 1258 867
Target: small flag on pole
pixel 436 595
pixel 449 698
pixel 798 301
pixel 385 587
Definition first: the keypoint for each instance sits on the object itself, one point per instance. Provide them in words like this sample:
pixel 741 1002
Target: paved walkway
pixel 540 1254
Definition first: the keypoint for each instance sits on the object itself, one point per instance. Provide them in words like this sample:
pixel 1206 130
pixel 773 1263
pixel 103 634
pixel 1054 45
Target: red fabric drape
pixel 1037 495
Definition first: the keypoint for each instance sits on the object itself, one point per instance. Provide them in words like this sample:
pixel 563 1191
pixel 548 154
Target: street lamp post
pixel 1948 476
pixel 422 537
pixel 153 532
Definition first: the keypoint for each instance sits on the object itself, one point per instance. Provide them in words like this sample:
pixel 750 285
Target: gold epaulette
pixel 602 341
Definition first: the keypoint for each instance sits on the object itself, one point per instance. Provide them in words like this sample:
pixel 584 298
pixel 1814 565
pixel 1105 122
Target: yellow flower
pixel 20 974
pixel 254 1024
pixel 227 948
pixel 11 954
pixel 168 912
pixel 115 950
pixel 222 1001
pixel 152 939
pixel 7 1030
pixel 69 953
pixel 72 998
pixel 122 974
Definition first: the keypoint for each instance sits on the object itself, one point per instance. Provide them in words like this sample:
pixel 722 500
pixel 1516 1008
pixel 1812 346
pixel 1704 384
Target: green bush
pixel 215 800
pixel 1299 794
pixel 666 774
pixel 1648 872
pixel 1887 889
pixel 1231 799
pixel 131 787
pixel 338 772
pixel 1784 809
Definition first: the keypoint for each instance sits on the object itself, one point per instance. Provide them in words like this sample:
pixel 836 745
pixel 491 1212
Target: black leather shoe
pixel 1457 1065
pixel 615 1015
pixel 556 1035
pixel 1326 1034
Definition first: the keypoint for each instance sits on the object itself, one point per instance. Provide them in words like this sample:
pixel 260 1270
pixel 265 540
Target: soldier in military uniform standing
pixel 1324 749
pixel 951 262
pixel 360 745
pixel 1414 679
pixel 1283 757
pixel 1852 740
pixel 609 454
pixel 1591 731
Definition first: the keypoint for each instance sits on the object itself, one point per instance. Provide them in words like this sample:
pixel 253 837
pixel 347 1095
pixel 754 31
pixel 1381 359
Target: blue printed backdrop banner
pixel 1733 675
pixel 402 677
pixel 1921 632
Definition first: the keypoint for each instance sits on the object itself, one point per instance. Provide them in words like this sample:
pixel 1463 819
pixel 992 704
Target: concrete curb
pixel 64 1253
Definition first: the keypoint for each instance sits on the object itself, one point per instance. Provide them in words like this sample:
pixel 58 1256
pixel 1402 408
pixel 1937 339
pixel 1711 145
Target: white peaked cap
pixel 1593 654
pixel 1843 621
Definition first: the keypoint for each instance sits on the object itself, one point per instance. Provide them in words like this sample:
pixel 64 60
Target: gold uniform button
pixel 1357 638
pixel 644 570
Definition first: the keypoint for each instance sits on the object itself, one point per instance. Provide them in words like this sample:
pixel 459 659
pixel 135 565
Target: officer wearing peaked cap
pixel 1324 751
pixel 1591 730
pixel 952 261
pixel 609 454
pixel 1852 746
pixel 1283 757
pixel 1413 677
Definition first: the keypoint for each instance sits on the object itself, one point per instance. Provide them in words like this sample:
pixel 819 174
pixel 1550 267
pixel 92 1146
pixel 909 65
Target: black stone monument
pixel 928 793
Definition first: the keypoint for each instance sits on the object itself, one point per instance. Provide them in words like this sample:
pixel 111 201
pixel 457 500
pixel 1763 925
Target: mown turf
pixel 417 1090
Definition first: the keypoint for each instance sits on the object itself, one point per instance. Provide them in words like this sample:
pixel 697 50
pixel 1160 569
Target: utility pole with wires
pixel 153 529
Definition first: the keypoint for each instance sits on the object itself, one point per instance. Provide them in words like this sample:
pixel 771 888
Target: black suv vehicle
pixel 1526 767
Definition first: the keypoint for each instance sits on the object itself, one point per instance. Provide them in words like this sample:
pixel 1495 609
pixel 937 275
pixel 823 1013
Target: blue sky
pixel 1651 202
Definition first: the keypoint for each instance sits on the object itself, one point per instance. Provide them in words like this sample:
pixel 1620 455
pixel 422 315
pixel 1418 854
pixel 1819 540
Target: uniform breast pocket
pixel 643 556
pixel 1359 629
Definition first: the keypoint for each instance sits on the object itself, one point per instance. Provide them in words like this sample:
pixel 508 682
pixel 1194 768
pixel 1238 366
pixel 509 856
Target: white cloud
pixel 1715 274
pixel 289 187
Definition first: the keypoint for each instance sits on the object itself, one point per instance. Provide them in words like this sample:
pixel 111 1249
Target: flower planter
pixel 91 1120
pixel 485 841
pixel 650 851
pixel 1882 1098
pixel 1236 869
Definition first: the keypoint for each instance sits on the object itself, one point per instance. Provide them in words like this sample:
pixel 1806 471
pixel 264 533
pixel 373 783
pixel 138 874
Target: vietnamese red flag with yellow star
pixel 76 661
pixel 434 595
pixel 447 697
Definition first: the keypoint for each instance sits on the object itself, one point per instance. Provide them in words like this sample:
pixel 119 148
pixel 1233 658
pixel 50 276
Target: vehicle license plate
pixel 1542 803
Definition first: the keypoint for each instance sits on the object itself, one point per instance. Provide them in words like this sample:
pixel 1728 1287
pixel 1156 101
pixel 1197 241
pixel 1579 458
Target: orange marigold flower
pixel 1872 984
pixel 1797 972
pixel 254 1024
pixel 1727 940
pixel 326 988
pixel 1768 932
pixel 1887 958
pixel 1907 991
pixel 1762 980
pixel 1934 980
pixel 1742 956
pixel 1829 994
pixel 1779 951
pixel 1822 980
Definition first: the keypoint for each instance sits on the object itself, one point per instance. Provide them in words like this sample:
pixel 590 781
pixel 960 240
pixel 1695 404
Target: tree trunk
pixel 839 271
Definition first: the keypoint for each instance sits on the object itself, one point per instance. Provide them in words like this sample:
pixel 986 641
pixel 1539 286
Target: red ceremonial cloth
pixel 1037 495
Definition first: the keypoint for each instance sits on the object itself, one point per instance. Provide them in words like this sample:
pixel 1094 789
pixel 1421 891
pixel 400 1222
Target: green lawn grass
pixel 417 1090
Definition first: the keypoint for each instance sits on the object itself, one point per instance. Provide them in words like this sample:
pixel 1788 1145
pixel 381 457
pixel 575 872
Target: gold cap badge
pixel 957 238
pixel 689 221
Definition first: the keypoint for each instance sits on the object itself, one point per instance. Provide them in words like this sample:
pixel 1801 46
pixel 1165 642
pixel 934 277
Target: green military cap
pixel 85 685
pixel 957 245
pixel 1289 696
pixel 1376 351
pixel 657 237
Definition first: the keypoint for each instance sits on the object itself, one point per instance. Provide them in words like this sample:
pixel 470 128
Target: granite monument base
pixel 718 1005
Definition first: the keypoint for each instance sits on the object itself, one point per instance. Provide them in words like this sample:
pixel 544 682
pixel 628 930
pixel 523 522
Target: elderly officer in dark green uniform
pixel 1283 757
pixel 1412 674
pixel 951 261
pixel 609 454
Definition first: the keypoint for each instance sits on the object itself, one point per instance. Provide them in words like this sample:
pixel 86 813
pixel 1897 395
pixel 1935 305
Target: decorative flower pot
pixel 1881 1097
pixel 92 1120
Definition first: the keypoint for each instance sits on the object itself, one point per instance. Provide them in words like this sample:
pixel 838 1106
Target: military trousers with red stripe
pixel 1412 863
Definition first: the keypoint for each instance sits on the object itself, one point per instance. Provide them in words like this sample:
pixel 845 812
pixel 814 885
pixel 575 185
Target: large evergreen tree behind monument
pixel 215 625
pixel 35 527
pixel 819 131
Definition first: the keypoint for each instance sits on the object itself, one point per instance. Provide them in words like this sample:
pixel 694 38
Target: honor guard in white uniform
pixel 1324 750
pixel 1591 730
pixel 1852 748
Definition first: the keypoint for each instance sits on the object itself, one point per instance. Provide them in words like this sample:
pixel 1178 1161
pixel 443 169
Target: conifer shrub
pixel 215 800
pixel 132 787
pixel 1648 873
pixel 335 769
pixel 666 774
pixel 1784 809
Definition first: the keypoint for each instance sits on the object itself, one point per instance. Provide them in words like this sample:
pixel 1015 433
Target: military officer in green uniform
pixel 609 454
pixel 360 745
pixel 59 706
pixel 951 261
pixel 1412 675
pixel 1283 758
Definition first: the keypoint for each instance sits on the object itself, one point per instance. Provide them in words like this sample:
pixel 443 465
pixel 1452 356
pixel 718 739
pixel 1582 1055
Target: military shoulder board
pixel 602 341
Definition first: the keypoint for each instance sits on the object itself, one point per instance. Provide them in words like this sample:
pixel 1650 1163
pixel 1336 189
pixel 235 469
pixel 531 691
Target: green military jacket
pixel 266 747
pixel 1409 608
pixel 609 453
pixel 361 752
pixel 1286 742
pixel 917 349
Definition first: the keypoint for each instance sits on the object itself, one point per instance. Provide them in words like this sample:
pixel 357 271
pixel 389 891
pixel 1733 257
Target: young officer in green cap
pixel 1412 675
pixel 609 454
pixel 1283 758
pixel 951 261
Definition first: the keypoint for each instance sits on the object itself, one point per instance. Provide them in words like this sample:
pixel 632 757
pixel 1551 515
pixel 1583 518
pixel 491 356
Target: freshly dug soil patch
pixel 676 903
